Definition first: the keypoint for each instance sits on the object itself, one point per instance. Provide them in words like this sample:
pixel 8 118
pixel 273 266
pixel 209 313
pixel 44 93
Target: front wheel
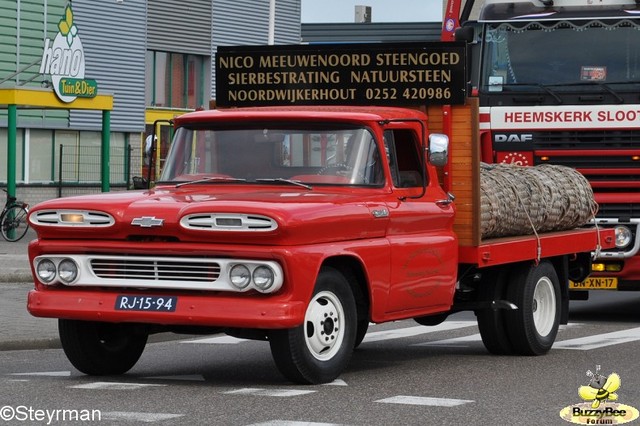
pixel 319 350
pixel 97 348
pixel 14 223
pixel 533 327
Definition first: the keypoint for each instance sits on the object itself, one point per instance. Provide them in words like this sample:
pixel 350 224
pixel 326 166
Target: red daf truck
pixel 301 225
pixel 558 82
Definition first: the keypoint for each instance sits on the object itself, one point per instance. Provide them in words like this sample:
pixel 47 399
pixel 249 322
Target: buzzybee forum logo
pixel 600 406
pixel 63 60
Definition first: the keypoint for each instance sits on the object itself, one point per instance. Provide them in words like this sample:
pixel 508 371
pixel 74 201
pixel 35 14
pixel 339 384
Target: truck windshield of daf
pixel 552 57
pixel 558 83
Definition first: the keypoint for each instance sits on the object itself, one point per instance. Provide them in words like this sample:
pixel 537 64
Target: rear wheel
pixel 98 348
pixel 533 327
pixel 492 322
pixel 319 350
pixel 14 223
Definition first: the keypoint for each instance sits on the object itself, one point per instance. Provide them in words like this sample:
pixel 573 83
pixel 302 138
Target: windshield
pixel 316 154
pixel 560 53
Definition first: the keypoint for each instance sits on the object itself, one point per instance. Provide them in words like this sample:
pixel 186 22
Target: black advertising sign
pixel 341 74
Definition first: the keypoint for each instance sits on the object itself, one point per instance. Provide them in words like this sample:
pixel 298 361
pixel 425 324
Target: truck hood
pixel 221 214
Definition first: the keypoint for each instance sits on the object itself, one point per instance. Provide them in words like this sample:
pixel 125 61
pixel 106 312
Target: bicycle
pixel 13 219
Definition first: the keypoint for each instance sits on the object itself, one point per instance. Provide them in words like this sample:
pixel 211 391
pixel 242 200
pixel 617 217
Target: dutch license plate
pixel 146 303
pixel 595 283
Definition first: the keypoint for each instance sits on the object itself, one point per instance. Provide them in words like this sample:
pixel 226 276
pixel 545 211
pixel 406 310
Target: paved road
pixel 402 374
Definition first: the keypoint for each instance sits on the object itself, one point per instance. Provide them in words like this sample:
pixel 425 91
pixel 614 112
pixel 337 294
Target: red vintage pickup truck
pixel 299 226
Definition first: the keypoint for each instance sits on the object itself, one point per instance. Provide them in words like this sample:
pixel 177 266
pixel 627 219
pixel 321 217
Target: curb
pixel 16 277
pixel 30 344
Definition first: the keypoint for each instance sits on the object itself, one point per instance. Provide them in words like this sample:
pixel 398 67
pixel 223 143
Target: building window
pixel 176 80
pixel 40 155
pixel 19 155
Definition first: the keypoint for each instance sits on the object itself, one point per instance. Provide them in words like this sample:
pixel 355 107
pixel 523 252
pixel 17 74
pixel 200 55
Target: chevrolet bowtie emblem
pixel 147 221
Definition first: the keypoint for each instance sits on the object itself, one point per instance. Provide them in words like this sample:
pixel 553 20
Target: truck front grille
pixel 173 269
pixel 619 211
pixel 609 159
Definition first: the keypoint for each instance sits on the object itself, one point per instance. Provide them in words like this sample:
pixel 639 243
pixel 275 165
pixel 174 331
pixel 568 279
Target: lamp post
pixel 272 21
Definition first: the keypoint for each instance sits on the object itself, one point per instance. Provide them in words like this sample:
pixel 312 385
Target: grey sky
pixel 382 10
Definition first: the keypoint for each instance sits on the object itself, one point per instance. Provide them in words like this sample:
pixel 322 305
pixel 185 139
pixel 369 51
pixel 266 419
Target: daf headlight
pixel 623 236
pixel 240 276
pixel 67 271
pixel 263 277
pixel 46 271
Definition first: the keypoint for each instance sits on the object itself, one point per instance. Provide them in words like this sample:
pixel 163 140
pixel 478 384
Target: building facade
pixel 154 57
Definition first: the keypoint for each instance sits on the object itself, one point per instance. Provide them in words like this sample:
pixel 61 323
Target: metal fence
pixel 79 169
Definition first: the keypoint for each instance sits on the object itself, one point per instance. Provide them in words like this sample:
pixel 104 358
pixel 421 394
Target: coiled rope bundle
pixel 521 200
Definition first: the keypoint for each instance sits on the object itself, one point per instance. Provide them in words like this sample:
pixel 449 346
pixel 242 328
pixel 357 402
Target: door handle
pixel 443 203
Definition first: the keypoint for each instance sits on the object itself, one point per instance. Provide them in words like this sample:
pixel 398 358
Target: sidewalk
pixel 20 330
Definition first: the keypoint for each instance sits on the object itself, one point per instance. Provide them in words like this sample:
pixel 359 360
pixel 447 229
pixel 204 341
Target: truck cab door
pixel 423 245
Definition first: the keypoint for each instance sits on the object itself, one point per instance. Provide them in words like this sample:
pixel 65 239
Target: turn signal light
pixel 606 267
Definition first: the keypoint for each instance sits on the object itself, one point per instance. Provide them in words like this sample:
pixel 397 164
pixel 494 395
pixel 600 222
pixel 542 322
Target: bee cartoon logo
pixel 600 406
pixel 600 388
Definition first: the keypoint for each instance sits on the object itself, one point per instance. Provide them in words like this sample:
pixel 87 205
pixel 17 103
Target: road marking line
pixel 375 336
pixel 292 423
pixel 599 340
pixel 454 341
pixel 218 340
pixel 461 342
pixel 415 331
pixel 138 417
pixel 45 373
pixel 189 377
pixel 422 400
pixel 336 382
pixel 113 386
pixel 269 392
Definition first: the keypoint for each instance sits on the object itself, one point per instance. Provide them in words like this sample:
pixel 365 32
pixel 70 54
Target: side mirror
pixel 438 149
pixel 466 33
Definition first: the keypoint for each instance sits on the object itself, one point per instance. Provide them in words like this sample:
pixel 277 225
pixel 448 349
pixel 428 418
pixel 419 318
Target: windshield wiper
pixel 282 180
pixel 605 86
pixel 211 179
pixel 540 85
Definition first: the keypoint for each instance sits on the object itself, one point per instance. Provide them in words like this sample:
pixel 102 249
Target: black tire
pixel 98 349
pixel 432 320
pixel 492 322
pixel 14 223
pixel 320 349
pixel 363 327
pixel 534 325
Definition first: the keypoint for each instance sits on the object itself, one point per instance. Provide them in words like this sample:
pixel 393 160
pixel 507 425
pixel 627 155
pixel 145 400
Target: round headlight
pixel 263 277
pixel 240 276
pixel 46 270
pixel 67 271
pixel 623 236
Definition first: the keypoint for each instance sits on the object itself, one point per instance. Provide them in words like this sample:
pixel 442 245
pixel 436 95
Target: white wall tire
pixel 320 349
pixel 533 327
pixel 544 306
pixel 324 328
